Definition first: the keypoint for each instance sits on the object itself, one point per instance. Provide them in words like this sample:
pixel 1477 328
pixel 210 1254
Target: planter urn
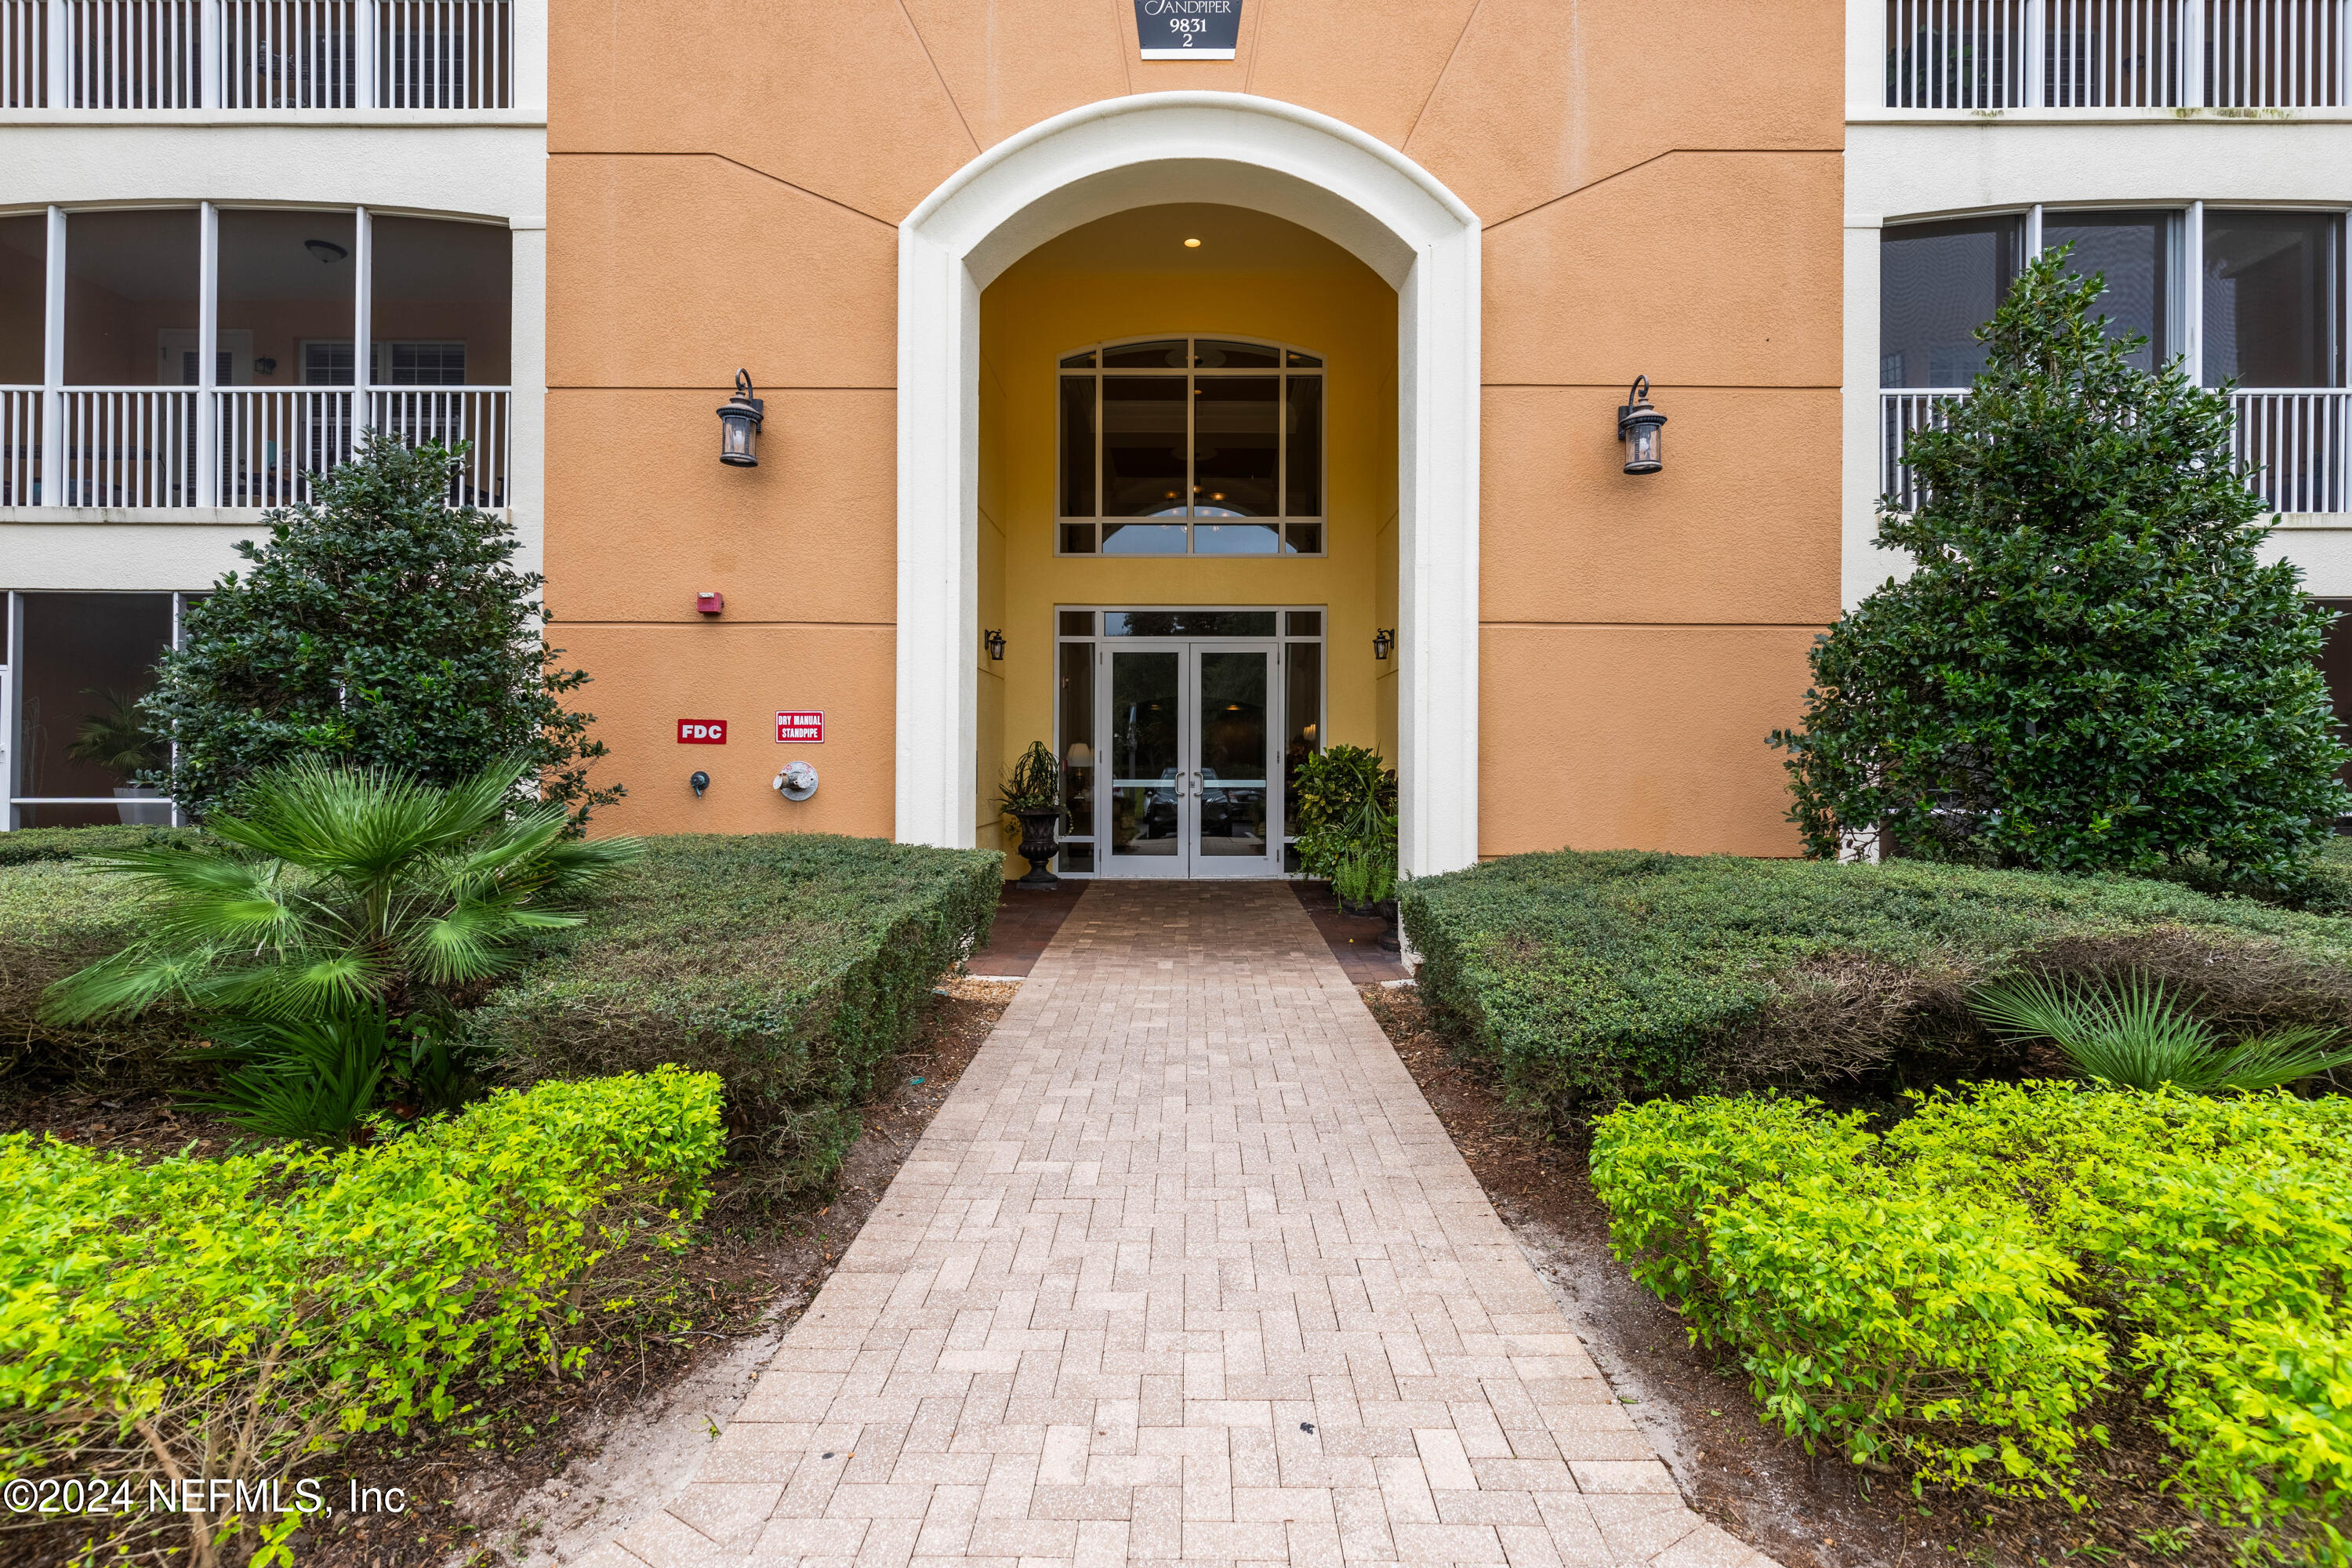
pixel 1037 846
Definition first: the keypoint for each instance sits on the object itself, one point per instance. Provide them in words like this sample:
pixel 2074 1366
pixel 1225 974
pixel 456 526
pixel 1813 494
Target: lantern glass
pixel 739 438
pixel 1643 439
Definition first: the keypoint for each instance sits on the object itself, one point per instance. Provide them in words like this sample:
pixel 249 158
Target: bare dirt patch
pixel 1696 1410
pixel 547 1469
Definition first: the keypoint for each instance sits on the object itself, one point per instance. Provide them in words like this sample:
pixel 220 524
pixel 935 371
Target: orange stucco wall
pixel 724 188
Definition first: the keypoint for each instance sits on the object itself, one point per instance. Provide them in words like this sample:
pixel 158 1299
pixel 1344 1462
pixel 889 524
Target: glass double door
pixel 1189 789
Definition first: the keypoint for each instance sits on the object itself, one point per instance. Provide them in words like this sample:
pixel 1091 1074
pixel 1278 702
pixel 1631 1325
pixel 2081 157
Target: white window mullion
pixel 2192 292
pixel 53 364
pixel 363 307
pixel 2033 231
pixel 207 360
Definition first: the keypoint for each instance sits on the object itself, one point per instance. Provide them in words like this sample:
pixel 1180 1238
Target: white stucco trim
pixel 1146 151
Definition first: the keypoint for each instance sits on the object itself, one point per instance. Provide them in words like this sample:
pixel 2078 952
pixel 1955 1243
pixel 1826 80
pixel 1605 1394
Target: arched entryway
pixel 1155 149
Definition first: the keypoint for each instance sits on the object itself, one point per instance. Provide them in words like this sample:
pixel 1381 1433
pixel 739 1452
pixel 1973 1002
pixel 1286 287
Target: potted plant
pixel 117 738
pixel 1032 794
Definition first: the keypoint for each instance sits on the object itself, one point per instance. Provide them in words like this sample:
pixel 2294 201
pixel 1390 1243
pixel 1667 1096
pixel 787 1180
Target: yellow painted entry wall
pixel 1128 275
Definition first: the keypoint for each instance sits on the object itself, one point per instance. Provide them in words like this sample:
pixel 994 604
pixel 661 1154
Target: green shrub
pixel 1587 978
pixel 224 1318
pixel 2091 667
pixel 1342 798
pixel 790 964
pixel 55 919
pixel 1949 1297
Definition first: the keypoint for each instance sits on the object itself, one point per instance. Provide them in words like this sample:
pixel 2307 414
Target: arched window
pixel 1190 445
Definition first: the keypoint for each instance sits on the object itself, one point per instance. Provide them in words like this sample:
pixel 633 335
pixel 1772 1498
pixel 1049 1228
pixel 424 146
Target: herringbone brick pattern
pixel 1185 1270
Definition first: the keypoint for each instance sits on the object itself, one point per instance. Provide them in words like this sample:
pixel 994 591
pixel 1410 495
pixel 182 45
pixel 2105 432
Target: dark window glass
pixel 1076 859
pixel 288 280
pixel 1078 539
pixel 1938 283
pixel 1143 447
pixel 24 306
pixel 1211 353
pixel 442 295
pixel 131 299
pixel 1306 622
pixel 1302 539
pixel 1167 353
pixel 1236 449
pixel 1303 422
pixel 88 658
pixel 1079 362
pixel 1078 446
pixel 1189 623
pixel 1078 622
pixel 2271 293
pixel 1141 752
pixel 2128 250
pixel 1078 717
pixel 1302 734
pixel 1298 359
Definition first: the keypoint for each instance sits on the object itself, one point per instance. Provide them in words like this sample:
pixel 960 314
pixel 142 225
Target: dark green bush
pixel 790 964
pixel 1589 978
pixel 2091 668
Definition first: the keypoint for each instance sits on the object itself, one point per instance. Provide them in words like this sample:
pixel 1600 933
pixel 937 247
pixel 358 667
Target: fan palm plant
pixel 2136 1036
pixel 337 891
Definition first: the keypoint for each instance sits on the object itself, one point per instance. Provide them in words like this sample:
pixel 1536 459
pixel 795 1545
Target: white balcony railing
pixel 261 55
pixel 2293 444
pixel 138 447
pixel 2116 54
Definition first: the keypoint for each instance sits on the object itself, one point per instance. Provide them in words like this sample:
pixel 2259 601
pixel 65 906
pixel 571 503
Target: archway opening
pixel 1187 522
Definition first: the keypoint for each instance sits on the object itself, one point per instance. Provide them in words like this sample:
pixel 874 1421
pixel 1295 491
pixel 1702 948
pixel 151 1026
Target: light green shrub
pixel 230 1316
pixel 1951 1296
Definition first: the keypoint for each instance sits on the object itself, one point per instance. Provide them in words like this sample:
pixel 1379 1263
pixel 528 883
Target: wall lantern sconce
pixel 1637 427
pixel 739 425
pixel 995 641
pixel 1384 641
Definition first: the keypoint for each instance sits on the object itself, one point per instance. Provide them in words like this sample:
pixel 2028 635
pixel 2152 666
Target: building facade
pixel 1184 387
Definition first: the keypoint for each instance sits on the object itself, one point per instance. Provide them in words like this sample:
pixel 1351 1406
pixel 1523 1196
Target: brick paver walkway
pixel 1184 1269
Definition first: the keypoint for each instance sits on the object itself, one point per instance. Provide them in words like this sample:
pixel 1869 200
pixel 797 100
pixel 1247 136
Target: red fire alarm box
pixel 710 604
pixel 702 731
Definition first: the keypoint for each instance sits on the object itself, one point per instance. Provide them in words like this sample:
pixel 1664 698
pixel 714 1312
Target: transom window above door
pixel 1190 445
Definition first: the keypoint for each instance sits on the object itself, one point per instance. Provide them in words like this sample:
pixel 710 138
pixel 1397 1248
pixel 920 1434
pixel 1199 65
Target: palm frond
pixel 2280 1057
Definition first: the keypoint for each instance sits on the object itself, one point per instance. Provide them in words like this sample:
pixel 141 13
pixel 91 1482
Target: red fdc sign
pixel 803 727
pixel 702 731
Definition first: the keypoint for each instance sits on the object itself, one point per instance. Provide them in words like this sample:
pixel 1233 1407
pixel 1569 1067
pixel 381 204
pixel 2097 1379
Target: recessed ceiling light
pixel 1192 245
pixel 326 250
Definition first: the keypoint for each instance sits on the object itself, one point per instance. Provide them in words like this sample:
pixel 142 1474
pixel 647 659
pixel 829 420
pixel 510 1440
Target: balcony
pixel 264 56
pixel 2293 444
pixel 1988 55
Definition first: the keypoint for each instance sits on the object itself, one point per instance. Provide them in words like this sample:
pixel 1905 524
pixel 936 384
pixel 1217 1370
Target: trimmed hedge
pixel 236 1314
pixel 790 964
pixel 55 918
pixel 1587 978
pixel 30 844
pixel 1950 1299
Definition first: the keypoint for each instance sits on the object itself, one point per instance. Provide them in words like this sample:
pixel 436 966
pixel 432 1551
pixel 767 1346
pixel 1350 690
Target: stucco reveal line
pixel 1656 157
pixel 1431 97
pixel 940 76
pixel 747 168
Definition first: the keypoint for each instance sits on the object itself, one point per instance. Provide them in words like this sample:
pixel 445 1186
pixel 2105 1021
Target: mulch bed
pixel 1808 1512
pixel 753 1253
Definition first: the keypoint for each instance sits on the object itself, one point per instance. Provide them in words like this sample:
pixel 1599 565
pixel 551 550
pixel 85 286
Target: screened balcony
pixel 2115 54
pixel 2247 298
pixel 262 55
pixel 106 401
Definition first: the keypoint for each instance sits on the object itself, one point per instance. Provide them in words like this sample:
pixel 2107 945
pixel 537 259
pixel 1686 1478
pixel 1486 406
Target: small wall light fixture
pixel 326 250
pixel 1637 426
pixel 995 641
pixel 1192 245
pixel 699 781
pixel 739 425
pixel 1384 641
pixel 710 602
